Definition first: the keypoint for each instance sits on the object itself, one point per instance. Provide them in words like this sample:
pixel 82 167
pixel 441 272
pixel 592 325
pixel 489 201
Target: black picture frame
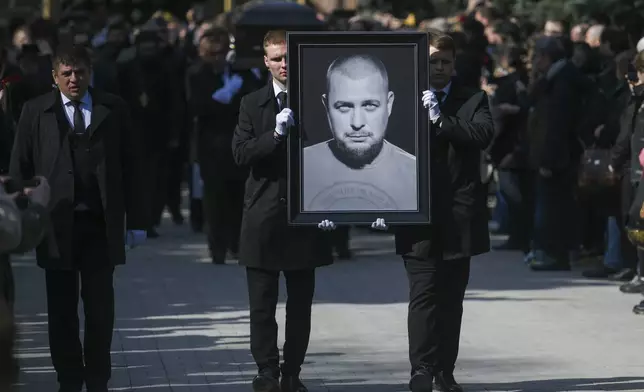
pixel 300 45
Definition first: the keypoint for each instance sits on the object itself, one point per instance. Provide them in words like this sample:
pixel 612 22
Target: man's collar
pixel 445 89
pixel 276 88
pixel 87 99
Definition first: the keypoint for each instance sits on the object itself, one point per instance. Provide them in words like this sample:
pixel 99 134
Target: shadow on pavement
pixel 563 385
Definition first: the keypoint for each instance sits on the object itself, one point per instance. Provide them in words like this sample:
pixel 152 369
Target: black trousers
pixel 555 233
pixel 436 293
pixel 89 362
pixel 158 184
pixel 517 188
pixel 223 205
pixel 263 290
pixel 176 170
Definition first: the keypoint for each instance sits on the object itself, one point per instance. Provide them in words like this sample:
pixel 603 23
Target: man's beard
pixel 356 158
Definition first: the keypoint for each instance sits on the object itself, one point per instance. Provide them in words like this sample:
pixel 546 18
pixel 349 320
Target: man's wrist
pixel 278 136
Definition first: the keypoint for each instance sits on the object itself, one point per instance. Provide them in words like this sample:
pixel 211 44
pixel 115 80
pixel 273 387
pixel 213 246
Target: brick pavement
pixel 182 325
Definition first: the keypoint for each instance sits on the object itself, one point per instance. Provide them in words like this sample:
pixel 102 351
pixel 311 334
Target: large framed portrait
pixel 360 147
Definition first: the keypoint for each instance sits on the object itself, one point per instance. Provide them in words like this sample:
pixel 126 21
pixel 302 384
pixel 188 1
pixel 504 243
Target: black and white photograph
pixel 358 145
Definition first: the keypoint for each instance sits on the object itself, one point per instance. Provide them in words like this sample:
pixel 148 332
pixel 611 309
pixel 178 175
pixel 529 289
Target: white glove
pixel 430 102
pixel 379 224
pixel 326 225
pixel 234 83
pixel 231 86
pixel 224 96
pixel 283 120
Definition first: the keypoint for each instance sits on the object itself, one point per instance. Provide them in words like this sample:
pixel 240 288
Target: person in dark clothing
pixel 214 92
pixel 269 246
pixel 554 152
pixel 83 142
pixel 152 90
pixel 508 151
pixel 437 257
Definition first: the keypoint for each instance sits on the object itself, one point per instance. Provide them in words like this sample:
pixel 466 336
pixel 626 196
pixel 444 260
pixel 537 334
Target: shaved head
pixel 358 104
pixel 356 67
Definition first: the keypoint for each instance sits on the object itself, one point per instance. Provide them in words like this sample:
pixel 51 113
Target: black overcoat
pixel 458 198
pixel 42 147
pixel 267 241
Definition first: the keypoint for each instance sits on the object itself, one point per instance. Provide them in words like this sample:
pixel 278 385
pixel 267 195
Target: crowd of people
pixel 131 112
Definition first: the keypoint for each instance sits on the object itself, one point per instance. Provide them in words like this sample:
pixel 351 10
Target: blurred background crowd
pixel 564 80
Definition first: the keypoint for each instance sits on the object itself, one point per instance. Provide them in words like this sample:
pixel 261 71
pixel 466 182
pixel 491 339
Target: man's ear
pixel 390 102
pixel 325 101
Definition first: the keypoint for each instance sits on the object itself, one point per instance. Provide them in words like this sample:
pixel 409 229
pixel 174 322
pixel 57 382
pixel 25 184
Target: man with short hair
pixel 268 244
pixel 214 92
pixel 353 170
pixel 437 257
pixel 82 142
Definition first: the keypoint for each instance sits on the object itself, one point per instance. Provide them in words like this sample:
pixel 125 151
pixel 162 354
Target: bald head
pixel 594 35
pixel 356 67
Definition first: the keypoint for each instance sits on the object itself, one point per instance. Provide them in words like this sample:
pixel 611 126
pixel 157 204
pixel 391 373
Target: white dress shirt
pixel 85 106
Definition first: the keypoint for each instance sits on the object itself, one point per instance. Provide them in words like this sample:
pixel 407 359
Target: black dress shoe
pixel 70 388
pixel 292 384
pixel 421 381
pixel 600 272
pixel 624 275
pixel 266 381
pixel 538 265
pixel 445 383
pixel 639 309
pixel 635 286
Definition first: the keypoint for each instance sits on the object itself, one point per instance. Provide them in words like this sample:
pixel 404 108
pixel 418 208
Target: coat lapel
pixel 55 129
pixel 268 105
pixel 100 111
pixel 454 100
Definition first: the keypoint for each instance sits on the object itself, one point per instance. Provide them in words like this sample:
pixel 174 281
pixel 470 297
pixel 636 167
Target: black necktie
pixel 281 98
pixel 79 121
pixel 440 96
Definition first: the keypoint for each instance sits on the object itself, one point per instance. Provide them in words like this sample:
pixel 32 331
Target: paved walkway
pixel 182 325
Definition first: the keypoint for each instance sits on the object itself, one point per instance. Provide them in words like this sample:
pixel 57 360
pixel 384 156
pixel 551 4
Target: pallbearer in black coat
pixel 83 143
pixel 268 245
pixel 437 257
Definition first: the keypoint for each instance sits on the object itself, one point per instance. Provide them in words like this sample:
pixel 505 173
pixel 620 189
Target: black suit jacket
pixel 266 239
pixel 42 148
pixel 458 198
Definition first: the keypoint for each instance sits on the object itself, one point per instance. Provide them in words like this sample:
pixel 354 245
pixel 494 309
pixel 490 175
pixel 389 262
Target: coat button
pixel 282 200
pixel 87 150
pixel 69 172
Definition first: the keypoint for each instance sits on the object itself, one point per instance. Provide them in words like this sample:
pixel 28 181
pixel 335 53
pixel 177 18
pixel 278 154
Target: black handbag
pixel 595 175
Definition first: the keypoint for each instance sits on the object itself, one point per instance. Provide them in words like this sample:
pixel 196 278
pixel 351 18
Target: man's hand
pixel 326 225
pixel 41 193
pixel 283 120
pixel 379 224
pixel 134 238
pixel 431 102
